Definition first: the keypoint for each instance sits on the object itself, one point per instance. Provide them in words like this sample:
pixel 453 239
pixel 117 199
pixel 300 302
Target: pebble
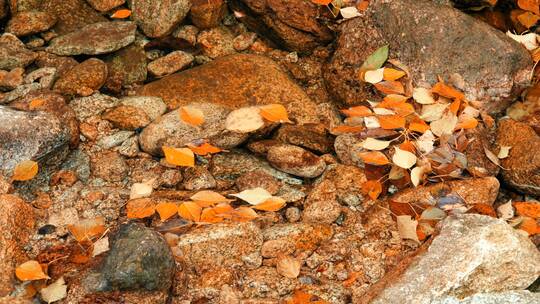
pixel 30 22
pixel 296 161
pixel 170 63
pixel 207 14
pixel 321 205
pixel 110 166
pixel 127 117
pixel 216 42
pixel 154 107
pixel 13 53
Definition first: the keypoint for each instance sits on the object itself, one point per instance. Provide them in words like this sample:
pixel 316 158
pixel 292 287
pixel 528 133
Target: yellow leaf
pixel 30 271
pixel 204 149
pixel 374 158
pixel 121 14
pixel 25 170
pixel 271 204
pixel 274 113
pixel 179 156
pixel 190 211
pixel 140 208
pixel 192 116
pixel 166 210
pixel 392 74
pixel 87 229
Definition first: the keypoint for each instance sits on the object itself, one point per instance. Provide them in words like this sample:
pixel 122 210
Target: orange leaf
pixel 190 211
pixel 390 87
pixel 322 2
pixel 121 14
pixel 87 229
pixel 389 122
pixel 204 149
pixel 140 208
pixel 530 226
pixel 374 158
pixel 454 106
pixel 528 19
pixel 35 103
pixel 372 188
pixel 25 170
pixel 397 104
pixel 347 129
pixel 179 156
pixel 271 204
pixel 394 98
pixel 209 215
pixel 530 5
pixel 398 209
pixel 192 116
pixel 392 74
pixel 419 126
pixel 408 146
pixel 527 209
pixel 447 91
pixel 244 214
pixel 274 113
pixel 166 210
pixel 30 271
pixel 223 208
pixel 209 197
pixel 484 209
pixel 358 111
pixel 469 123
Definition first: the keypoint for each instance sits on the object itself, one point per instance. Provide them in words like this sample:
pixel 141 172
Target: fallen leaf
pixel 506 211
pixel 529 225
pixel 204 149
pixel 417 175
pixel 54 292
pixel 274 113
pixel 100 246
pixel 166 210
pixel 375 60
pixel 35 103
pixel 254 196
pixel 288 266
pixel 454 106
pixel 390 122
pixel 243 214
pixel 372 122
pixel 433 112
pixel 374 158
pixel 529 41
pixel 87 229
pixel 407 228
pixel 223 208
pixel 140 208
pixel 192 116
pixel 374 76
pixel 322 2
pixel 491 156
pixel 25 170
pixel 190 211
pixel 390 87
pixel 349 12
pixel 530 5
pixel 423 96
pixel 244 120
pixel 346 129
pixel 372 188
pixel 403 159
pixel 183 157
pixel 121 14
pixel 358 111
pixel 375 144
pixel 209 215
pixel 271 204
pixel 444 90
pixel 30 271
pixel 425 143
pixel 504 152
pixel 397 104
pixel 392 74
pixel 141 190
pixel 467 123
pixel 528 209
pixel 418 125
pixel 210 197
pixel 445 125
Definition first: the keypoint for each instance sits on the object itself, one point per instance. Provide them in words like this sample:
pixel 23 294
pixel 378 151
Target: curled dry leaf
pixel 392 74
pixel 254 196
pixel 54 292
pixel 274 113
pixel 166 210
pixel 374 158
pixel 190 211
pixel 192 116
pixel 372 188
pixel 87 229
pixel 491 156
pixel 504 152
pixel 403 159
pixel 418 125
pixel 372 122
pixel 407 228
pixel 288 266
pixel 140 208
pixel 375 144
pixel 271 204
pixel 204 149
pixel 374 76
pixel 25 170
pixel 244 120
pixel 417 175
pixel 423 96
pixel 179 156
pixel 433 112
pixel 390 87
pixel 30 271
pixel 358 111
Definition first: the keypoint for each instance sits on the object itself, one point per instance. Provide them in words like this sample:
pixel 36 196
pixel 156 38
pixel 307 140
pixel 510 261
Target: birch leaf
pixel 374 76
pixel 375 144
pixel 504 152
pixel 423 96
pixel 403 159
pixel 254 196
pixel 54 292
pixel 407 228
pixel 375 60
pixel 445 125
pixel 244 120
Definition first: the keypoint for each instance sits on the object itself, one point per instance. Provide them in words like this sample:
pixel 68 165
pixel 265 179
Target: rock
pixel 109 166
pixel 187 32
pixel 86 107
pixel 126 67
pixel 291 24
pixel 242 42
pixel 46 77
pixel 127 117
pixel 198 178
pixel 158 19
pixel 267 282
pixel 521 165
pixel 13 53
pixel 30 135
pixel 348 181
pixel 472 254
pixel 293 214
pixel 321 205
pixel 31 22
pixel 207 14
pixel 3 8
pixel 94 39
pixel 296 161
pixel 61 64
pixel 12 79
pixel 139 258
pixel 221 245
pixel 258 179
pixel 170 63
pixel 235 81
pixel 478 164
pixel 72 15
pixel 83 79
pixel 514 296
pixel 312 137
pixel 17 224
pixel 154 107
pixel 347 147
pixel 472 191
pixel 170 130
pixel 303 237
pixel 494 77
pixel 105 5
pixel 216 42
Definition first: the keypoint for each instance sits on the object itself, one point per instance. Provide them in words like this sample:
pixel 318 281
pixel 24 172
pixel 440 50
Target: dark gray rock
pixel 139 258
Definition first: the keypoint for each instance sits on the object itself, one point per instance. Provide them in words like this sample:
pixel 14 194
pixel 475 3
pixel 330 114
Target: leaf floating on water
pixel 87 229
pixel 244 120
pixel 121 14
pixel 30 271
pixel 254 196
pixel 183 157
pixel 54 292
pixel 375 60
pixel 407 228
pixel 275 113
pixel 25 170
pixel 192 116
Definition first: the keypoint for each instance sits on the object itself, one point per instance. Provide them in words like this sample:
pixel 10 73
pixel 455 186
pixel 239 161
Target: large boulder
pixel 431 40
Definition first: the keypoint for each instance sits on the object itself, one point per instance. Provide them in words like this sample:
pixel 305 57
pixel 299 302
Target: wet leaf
pixel 372 188
pixel 190 211
pixel 407 228
pixel 25 170
pixel 244 120
pixel 390 122
pixel 423 96
pixel 403 159
pixel 374 158
pixel 183 157
pixel 358 111
pixel 140 208
pixel 121 14
pixel 288 266
pixel 271 204
pixel 392 74
pixel 54 292
pixel 192 116
pixel 274 113
pixel 528 209
pixel 375 144
pixel 254 196
pixel 390 87
pixel 30 271
pixel 166 210
pixel 374 76
pixel 204 149
pixel 375 60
